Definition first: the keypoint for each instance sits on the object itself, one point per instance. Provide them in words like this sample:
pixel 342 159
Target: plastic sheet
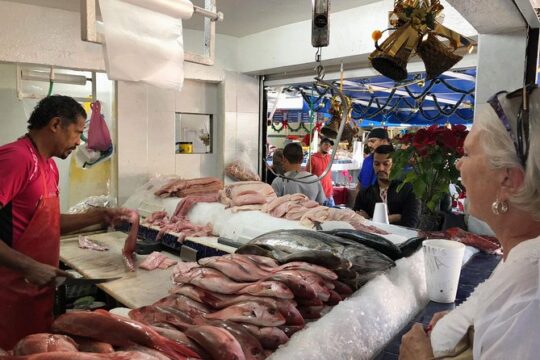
pixel 92 202
pixel 144 196
pixel 360 326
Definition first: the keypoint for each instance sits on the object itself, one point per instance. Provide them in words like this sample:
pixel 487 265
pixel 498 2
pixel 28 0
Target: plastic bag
pixel 92 202
pixel 239 169
pixel 99 138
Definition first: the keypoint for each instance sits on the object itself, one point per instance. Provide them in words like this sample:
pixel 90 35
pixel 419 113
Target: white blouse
pixel 505 311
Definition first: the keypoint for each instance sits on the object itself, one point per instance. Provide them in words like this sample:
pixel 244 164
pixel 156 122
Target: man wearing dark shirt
pixel 403 207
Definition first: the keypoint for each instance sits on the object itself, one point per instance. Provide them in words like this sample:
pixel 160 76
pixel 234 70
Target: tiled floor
pixel 477 269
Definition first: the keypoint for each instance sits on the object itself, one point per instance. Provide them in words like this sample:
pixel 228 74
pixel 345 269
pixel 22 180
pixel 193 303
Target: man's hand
pixel 415 345
pixel 42 275
pixel 113 216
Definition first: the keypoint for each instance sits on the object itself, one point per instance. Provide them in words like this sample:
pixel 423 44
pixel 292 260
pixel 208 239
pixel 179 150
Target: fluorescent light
pixel 37 75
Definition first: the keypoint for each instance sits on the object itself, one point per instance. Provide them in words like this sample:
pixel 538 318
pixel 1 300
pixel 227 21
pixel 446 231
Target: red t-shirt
pixel 21 186
pixel 318 164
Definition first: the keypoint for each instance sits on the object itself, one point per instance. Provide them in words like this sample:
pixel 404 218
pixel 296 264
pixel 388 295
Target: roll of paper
pixel 144 45
pixel 180 9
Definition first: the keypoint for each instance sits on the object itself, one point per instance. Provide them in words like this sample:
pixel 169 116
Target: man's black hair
pixel 293 153
pixel 378 133
pixel 384 149
pixel 64 107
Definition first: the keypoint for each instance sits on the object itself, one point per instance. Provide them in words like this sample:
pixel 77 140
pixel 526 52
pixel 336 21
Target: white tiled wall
pixel 146 128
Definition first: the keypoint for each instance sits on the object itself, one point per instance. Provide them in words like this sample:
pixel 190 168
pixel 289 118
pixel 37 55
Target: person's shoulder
pixel 404 186
pixel 17 154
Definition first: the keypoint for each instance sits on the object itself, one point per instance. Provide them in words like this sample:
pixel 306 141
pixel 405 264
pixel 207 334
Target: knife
pixel 63 280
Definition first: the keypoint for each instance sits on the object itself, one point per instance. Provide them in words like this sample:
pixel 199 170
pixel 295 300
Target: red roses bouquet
pixel 426 160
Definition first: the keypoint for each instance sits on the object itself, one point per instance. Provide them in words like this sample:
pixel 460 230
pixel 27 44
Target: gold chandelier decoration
pixel 416 31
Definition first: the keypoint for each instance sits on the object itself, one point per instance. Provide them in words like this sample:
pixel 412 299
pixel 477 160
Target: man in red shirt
pixel 319 162
pixel 30 219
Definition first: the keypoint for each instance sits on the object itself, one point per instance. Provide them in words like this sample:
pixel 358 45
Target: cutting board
pixel 134 289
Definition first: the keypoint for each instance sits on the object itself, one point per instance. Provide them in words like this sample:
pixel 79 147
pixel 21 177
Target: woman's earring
pixel 499 207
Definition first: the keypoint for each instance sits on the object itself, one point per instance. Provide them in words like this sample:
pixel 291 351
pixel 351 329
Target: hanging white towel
pixel 143 40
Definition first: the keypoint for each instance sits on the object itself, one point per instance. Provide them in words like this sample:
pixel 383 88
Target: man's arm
pixel 105 216
pixel 362 203
pixel 277 185
pixel 33 271
pixel 321 198
pixel 410 205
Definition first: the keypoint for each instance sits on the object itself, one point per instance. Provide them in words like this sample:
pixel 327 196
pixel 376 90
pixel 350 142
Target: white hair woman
pixel 501 171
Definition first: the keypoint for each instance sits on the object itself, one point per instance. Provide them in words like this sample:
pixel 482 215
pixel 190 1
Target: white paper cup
pixel 380 214
pixel 443 260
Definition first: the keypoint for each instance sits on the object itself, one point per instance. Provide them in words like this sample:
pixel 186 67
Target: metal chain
pixel 320 68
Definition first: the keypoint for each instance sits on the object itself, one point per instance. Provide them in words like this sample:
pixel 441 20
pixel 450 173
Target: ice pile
pixel 360 326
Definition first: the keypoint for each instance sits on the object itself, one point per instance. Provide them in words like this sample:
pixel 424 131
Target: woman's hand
pixel 415 345
pixel 436 317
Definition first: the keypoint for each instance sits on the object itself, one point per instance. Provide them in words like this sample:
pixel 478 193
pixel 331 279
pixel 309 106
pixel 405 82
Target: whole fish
pixel 184 303
pixel 317 257
pixel 39 343
pixel 216 281
pixel 295 240
pixel 153 315
pixel 251 346
pixel 180 338
pixel 118 331
pixel 286 307
pixel 380 243
pixel 302 265
pixel 262 260
pixel 374 241
pixel 410 246
pixel 219 343
pixel 145 350
pixel 62 355
pixel 92 346
pixel 366 262
pixel 235 268
pixel 250 312
pixel 269 337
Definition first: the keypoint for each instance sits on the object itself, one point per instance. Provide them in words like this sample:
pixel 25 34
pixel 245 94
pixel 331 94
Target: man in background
pixel 277 166
pixel 297 181
pixel 367 176
pixel 403 206
pixel 319 162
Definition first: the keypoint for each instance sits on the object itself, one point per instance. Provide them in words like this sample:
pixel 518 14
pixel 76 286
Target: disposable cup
pixel 443 260
pixel 380 214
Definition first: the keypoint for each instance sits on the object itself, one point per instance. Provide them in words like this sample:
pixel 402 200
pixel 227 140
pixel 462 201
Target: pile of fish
pixel 241 306
pixel 183 188
pixel 177 224
pixel 355 256
pixel 247 195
